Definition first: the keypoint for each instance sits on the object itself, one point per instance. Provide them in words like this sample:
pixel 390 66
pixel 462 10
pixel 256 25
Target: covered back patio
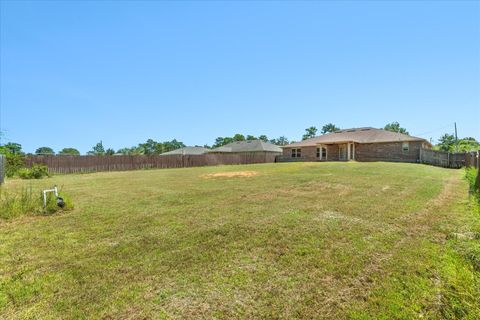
pixel 342 151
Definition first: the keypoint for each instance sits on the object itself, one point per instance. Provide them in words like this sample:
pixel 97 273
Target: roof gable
pixel 248 146
pixel 358 135
pixel 187 151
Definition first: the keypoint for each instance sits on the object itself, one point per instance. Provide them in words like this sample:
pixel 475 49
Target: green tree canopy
pixel 69 151
pixel 109 152
pixel 172 145
pixel 468 144
pixel 395 127
pixel 221 141
pixel 263 138
pixel 309 133
pixel 329 127
pixel 44 150
pixel 12 148
pixel 446 142
pixel 151 147
pixel 97 150
pixel 124 151
pixel 280 141
pixel 133 151
pixel 15 157
pixel 238 137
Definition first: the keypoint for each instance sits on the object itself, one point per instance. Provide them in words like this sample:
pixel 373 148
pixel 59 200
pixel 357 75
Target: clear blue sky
pixel 74 73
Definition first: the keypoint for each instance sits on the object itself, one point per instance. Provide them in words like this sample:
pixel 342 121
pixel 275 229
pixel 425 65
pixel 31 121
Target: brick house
pixel 361 144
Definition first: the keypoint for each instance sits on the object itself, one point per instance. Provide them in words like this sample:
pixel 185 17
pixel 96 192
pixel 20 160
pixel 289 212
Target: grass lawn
pixel 292 240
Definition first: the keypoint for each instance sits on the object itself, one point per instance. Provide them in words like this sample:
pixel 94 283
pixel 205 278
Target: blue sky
pixel 73 73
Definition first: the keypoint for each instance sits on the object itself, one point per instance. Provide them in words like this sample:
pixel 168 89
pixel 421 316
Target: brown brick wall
pixel 310 153
pixel 390 151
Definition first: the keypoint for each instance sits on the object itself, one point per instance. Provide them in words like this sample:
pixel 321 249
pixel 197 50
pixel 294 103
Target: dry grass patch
pixel 269 241
pixel 231 174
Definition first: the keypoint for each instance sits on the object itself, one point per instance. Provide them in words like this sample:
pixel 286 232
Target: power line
pixel 432 131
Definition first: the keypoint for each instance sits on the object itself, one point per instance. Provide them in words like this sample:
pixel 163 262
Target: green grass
pixel 296 240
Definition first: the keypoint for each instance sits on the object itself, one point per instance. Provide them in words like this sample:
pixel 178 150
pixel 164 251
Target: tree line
pixel 446 142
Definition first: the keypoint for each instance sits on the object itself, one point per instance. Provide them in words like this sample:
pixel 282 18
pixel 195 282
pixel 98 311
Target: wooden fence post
pixel 478 172
pixel 2 167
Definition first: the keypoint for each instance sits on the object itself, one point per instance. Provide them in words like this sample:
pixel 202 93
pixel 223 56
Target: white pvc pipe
pixel 45 195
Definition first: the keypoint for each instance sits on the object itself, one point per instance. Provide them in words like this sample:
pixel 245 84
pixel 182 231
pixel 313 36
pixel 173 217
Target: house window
pixel 405 147
pixel 296 153
pixel 322 153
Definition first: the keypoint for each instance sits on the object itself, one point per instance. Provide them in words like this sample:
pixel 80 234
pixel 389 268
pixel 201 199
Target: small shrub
pixel 14 163
pixel 28 202
pixel 37 171
pixel 52 205
pixel 23 173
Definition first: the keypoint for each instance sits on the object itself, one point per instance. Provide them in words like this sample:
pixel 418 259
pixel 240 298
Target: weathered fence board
pixel 444 159
pixel 472 159
pixel 3 161
pixel 81 164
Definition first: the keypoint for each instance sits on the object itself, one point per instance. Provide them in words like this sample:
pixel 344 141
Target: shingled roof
pixel 187 151
pixel 248 146
pixel 358 135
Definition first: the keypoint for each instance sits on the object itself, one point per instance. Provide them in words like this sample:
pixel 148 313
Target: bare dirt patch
pixel 303 190
pixel 231 174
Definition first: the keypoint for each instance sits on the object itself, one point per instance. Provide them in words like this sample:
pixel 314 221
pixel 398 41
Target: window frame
pixel 321 153
pixel 407 145
pixel 296 152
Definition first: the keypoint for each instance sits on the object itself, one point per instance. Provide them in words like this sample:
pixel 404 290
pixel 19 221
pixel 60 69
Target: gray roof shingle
pixel 248 146
pixel 187 151
pixel 358 135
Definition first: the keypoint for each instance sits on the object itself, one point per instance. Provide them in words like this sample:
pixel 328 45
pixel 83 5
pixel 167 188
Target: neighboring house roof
pixel 248 146
pixel 187 151
pixel 358 135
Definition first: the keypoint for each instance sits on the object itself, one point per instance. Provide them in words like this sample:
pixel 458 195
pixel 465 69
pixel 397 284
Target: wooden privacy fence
pixel 472 159
pixel 449 159
pixel 2 168
pixel 80 164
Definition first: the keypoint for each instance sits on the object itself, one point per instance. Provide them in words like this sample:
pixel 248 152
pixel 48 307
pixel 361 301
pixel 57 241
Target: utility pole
pixel 456 138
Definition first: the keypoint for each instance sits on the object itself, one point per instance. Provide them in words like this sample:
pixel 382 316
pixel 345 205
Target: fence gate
pixel 2 168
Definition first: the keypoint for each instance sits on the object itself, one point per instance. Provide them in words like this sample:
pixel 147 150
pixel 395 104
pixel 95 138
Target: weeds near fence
pixel 472 175
pixel 27 201
pixel 37 171
pixel 14 163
